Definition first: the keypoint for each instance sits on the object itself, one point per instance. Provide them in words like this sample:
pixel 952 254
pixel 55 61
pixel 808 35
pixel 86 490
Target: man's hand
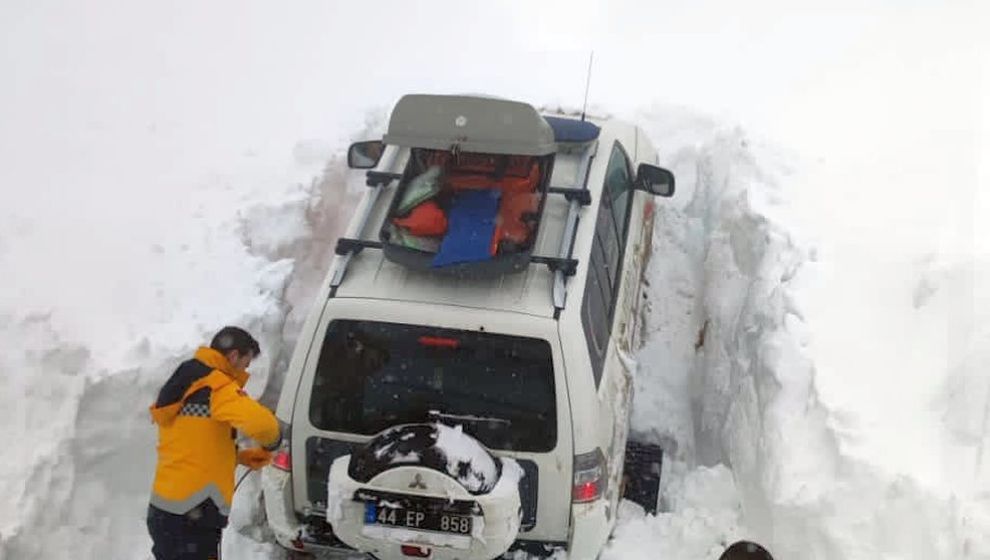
pixel 254 457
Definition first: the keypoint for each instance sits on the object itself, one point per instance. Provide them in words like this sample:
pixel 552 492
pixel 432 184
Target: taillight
pixel 283 459
pixel 415 551
pixel 590 477
pixel 298 543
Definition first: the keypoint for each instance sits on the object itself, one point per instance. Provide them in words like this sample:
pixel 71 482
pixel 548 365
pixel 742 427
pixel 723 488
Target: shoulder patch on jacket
pixel 195 409
pixel 197 404
pixel 177 385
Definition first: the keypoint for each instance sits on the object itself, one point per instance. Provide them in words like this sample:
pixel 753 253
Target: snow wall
pixel 74 403
pixel 726 379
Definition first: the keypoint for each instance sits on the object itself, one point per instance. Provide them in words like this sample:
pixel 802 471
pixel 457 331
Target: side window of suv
pixel 618 189
pixel 594 312
pixel 601 288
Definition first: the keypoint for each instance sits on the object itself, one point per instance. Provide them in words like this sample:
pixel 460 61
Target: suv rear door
pixel 500 375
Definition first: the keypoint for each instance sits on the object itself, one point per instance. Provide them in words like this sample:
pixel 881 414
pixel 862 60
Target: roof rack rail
pixel 562 265
pixel 377 181
pixel 577 197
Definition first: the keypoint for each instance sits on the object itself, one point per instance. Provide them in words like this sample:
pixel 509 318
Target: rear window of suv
pixel 375 375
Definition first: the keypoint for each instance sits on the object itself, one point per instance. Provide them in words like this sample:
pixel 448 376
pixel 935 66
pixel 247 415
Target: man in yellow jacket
pixel 199 411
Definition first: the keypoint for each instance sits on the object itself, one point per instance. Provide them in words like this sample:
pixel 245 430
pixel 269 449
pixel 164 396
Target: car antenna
pixel 587 85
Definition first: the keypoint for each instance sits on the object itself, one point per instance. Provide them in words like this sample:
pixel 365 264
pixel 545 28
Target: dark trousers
pixel 192 536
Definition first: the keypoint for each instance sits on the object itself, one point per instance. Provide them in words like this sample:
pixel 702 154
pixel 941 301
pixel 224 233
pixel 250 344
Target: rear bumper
pixel 313 534
pixel 317 536
pixel 310 535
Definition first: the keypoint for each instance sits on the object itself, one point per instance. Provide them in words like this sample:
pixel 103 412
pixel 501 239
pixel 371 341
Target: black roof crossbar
pixel 583 196
pixel 381 178
pixel 347 245
pixel 568 267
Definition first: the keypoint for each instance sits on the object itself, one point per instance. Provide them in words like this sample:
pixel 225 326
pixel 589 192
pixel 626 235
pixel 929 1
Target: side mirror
pixel 655 180
pixel 365 155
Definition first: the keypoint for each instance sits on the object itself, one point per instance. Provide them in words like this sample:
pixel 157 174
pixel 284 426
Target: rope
pixel 240 480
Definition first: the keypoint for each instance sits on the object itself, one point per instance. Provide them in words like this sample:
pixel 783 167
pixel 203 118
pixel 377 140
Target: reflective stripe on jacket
pixel 197 412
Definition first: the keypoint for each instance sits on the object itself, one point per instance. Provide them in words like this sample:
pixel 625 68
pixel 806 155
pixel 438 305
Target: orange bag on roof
pixel 427 219
pixel 510 225
pixel 507 184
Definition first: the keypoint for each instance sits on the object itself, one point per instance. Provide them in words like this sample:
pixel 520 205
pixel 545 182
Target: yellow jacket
pixel 198 411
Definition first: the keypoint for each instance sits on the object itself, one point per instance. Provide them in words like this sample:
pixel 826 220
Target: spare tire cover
pixel 435 446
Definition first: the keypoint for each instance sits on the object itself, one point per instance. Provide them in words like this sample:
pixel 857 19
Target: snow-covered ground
pixel 818 336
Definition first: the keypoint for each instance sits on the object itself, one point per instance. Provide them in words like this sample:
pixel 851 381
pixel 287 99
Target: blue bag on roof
pixel 470 228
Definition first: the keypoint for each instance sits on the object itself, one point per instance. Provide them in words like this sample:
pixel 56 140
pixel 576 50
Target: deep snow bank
pixel 719 322
pixel 73 405
pixel 727 376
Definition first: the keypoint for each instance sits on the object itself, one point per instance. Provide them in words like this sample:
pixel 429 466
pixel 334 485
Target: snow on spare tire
pixel 406 468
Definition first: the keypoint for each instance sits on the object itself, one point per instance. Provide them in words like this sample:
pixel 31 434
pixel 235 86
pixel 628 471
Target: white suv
pixel 459 390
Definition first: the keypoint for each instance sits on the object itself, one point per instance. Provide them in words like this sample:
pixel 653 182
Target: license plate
pixel 439 521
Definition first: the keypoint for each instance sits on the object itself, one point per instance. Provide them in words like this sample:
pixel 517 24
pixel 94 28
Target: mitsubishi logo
pixel 418 482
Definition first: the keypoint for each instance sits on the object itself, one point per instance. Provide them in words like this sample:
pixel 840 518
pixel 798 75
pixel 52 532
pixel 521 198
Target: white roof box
pixel 471 124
